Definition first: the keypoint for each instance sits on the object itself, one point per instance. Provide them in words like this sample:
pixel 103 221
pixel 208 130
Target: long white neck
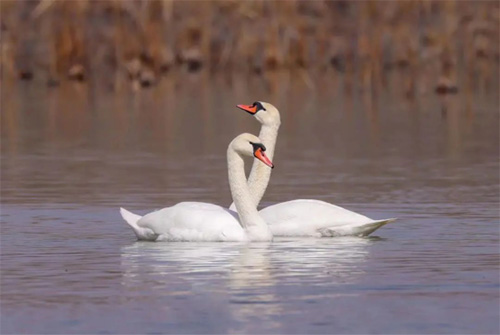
pixel 261 174
pixel 255 227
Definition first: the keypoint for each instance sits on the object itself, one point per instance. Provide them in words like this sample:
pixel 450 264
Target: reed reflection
pixel 129 139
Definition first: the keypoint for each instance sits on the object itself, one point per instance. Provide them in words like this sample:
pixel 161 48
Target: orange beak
pixel 261 156
pixel 248 108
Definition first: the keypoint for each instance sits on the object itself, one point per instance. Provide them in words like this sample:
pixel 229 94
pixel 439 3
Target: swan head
pixel 251 146
pixel 264 112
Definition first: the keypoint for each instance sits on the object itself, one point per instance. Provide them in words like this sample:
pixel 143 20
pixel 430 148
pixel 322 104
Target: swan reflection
pixel 248 278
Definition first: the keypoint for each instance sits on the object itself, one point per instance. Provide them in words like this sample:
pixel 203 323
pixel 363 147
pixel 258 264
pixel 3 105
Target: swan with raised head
pixel 301 217
pixel 198 221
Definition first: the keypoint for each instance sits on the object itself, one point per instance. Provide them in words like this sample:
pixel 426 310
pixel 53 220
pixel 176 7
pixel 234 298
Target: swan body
pixel 198 221
pixel 316 218
pixel 301 217
pixel 187 221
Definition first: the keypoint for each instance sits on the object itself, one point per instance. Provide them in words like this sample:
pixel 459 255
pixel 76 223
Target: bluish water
pixel 69 264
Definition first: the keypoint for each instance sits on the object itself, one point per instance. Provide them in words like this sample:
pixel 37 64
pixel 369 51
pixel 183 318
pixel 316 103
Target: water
pixel 73 155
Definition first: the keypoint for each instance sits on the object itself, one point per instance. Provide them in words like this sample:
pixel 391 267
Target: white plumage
pixel 301 217
pixel 187 221
pixel 198 221
pixel 315 218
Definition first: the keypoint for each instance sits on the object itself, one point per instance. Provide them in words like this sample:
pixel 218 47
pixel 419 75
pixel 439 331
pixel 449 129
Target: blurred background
pixel 435 44
pixel 388 108
pixel 351 78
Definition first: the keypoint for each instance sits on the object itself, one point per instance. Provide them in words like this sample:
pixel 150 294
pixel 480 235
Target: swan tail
pixel 361 230
pixel 141 232
pixel 369 228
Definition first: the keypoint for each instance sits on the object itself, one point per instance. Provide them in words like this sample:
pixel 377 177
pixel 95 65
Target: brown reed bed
pixel 431 41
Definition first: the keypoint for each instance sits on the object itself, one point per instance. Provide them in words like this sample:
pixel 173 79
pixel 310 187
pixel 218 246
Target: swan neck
pixel 259 177
pixel 247 211
pixel 268 134
pixel 260 174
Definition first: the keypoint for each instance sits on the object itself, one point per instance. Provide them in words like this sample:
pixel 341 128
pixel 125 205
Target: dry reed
pixel 144 40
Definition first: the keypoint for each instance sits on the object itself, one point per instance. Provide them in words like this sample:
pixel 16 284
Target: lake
pixel 72 155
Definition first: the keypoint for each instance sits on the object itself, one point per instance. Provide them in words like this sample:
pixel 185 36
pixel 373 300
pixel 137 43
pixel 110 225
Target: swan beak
pixel 248 108
pixel 261 156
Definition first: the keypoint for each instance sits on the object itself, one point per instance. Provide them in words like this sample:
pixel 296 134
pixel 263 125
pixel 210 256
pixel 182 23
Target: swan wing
pixel 305 217
pixel 194 221
pixel 142 233
pixel 350 230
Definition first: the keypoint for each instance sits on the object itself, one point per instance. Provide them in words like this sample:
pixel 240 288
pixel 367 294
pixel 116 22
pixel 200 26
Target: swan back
pixel 194 221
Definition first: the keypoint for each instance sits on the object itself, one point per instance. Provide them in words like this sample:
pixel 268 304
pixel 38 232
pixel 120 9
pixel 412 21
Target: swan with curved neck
pixel 259 177
pixel 301 217
pixel 197 221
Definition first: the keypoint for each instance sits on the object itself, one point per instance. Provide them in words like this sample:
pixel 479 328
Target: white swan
pixel 302 217
pixel 198 221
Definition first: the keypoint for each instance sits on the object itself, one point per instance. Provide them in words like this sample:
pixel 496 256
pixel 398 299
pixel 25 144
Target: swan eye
pixel 259 106
pixel 257 146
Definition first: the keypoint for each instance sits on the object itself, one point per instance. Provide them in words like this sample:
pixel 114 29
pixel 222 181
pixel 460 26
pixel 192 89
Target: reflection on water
pixel 248 275
pixel 247 265
pixel 71 156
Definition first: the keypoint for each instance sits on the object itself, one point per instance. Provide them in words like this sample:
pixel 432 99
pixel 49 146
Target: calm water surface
pixel 73 155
